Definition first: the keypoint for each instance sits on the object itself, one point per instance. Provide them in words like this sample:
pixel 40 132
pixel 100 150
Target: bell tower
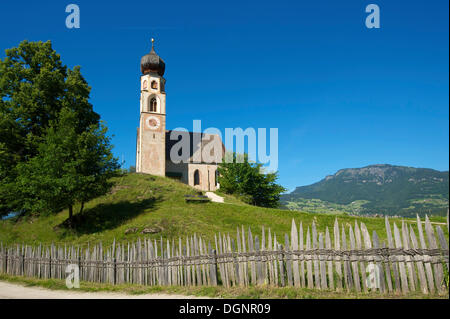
pixel 151 133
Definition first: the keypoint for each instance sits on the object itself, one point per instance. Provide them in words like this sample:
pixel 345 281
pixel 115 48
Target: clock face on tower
pixel 153 122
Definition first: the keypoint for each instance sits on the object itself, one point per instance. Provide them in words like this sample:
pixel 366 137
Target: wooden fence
pixel 348 258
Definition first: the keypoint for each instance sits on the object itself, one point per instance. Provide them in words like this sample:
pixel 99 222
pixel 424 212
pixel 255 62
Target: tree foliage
pixel 244 179
pixel 54 151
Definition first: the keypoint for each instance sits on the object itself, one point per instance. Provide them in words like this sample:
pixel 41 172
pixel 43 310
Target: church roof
pixel 195 141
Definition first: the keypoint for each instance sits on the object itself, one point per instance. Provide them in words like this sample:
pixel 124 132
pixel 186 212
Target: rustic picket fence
pixel 406 262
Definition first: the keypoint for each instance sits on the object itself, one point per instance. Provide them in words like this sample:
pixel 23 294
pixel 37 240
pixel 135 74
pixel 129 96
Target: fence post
pixel 215 264
pixel 50 264
pixel 79 265
pixel 115 271
pixel 6 261
pixel 23 264
pixel 281 264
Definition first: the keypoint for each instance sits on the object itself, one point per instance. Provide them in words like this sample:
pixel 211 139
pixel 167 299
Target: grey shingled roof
pixel 204 138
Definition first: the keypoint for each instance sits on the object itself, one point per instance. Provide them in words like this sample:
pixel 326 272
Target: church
pixel 157 151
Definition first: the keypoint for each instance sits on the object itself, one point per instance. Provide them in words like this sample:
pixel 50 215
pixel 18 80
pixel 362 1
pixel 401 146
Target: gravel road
pixel 16 291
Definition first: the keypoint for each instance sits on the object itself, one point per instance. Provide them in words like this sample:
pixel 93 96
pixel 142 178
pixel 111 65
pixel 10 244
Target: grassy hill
pixel 139 202
pixel 376 189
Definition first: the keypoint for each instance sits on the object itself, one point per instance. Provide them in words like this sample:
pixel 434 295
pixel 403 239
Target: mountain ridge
pixel 385 189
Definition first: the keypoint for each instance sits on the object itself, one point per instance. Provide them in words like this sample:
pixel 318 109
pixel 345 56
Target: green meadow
pixel 138 202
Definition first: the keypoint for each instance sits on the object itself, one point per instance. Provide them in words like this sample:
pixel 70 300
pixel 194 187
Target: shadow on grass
pixel 107 216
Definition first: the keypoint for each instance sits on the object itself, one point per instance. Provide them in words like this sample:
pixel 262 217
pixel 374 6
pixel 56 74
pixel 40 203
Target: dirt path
pixel 215 198
pixel 15 291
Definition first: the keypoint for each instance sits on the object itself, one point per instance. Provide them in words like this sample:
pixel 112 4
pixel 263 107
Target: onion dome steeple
pixel 152 63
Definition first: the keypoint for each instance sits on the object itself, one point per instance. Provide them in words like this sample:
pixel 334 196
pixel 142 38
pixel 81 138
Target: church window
pixel 196 177
pixel 154 85
pixel 153 105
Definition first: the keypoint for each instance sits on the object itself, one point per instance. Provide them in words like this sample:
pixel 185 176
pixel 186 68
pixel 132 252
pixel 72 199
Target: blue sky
pixel 340 94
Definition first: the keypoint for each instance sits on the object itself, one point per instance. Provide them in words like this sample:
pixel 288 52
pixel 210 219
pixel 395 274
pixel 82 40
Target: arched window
pixel 154 85
pixel 153 104
pixel 196 177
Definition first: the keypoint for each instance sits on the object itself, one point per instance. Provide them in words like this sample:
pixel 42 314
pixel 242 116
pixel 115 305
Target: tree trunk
pixel 82 207
pixel 70 215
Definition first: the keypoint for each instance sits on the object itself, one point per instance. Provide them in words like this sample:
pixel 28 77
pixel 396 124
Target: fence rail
pixel 353 260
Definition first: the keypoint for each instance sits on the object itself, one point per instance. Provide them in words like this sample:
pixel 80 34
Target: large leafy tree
pixel 68 168
pixel 54 151
pixel 244 179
